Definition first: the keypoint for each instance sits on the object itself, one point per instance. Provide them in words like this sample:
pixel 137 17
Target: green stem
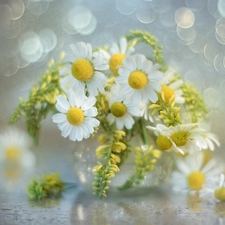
pixel 144 135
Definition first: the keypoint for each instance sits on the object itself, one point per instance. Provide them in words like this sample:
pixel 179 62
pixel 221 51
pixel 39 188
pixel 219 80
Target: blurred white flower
pixel 191 173
pixel 15 147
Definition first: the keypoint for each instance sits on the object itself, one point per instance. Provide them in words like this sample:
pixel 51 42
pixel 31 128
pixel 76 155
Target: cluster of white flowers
pixel 130 84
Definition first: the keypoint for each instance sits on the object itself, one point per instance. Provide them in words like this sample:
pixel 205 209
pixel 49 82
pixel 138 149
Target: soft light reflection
pixel 146 15
pixel 80 212
pixel 212 97
pixel 79 20
pixel 17 7
pixel 31 47
pixel 221 7
pixel 184 17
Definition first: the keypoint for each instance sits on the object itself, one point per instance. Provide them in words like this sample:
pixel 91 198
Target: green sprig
pixel 168 112
pixel 112 152
pixel 145 37
pixel 194 103
pixel 145 158
pixel 49 185
pixel 41 100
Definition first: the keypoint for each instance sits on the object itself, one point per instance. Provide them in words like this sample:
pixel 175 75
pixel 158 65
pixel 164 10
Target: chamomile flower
pixel 116 54
pixel 121 111
pixel 15 148
pixel 139 79
pixel 181 138
pixel 85 71
pixel 191 173
pixel 170 88
pixel 214 188
pixel 76 117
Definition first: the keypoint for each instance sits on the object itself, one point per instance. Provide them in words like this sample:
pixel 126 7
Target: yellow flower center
pixel 168 93
pixel 137 79
pixel 118 109
pixel 115 61
pixel 195 180
pixel 163 142
pixel 82 69
pixel 13 153
pixel 180 138
pixel 75 116
pixel 219 194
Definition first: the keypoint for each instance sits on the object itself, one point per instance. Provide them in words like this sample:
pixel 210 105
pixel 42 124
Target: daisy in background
pixel 15 147
pixel 16 158
pixel 85 71
pixel 76 117
pixel 139 79
pixel 121 111
pixel 116 54
pixel 214 188
pixel 191 173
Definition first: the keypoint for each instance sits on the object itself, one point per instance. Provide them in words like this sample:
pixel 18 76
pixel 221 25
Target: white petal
pixel 59 118
pixel 62 104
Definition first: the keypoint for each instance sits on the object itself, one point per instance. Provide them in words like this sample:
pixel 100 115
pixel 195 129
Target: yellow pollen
pixel 180 138
pixel 137 79
pixel 219 194
pixel 163 142
pixel 118 109
pixel 75 116
pixel 13 154
pixel 195 180
pixel 115 61
pixel 82 69
pixel 168 93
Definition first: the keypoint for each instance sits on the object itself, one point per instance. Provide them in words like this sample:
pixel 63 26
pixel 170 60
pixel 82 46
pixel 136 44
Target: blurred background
pixel 34 31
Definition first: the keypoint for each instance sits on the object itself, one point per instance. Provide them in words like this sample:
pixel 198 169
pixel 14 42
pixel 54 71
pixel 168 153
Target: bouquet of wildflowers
pixel 119 94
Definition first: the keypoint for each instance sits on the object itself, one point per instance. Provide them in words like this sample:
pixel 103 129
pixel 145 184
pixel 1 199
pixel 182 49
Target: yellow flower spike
pixel 167 121
pixel 154 111
pixel 118 146
pixel 153 106
pixel 157 154
pixel 103 138
pixel 168 94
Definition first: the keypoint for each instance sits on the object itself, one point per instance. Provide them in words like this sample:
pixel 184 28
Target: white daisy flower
pixel 121 111
pixel 181 138
pixel 85 71
pixel 15 148
pixel 191 173
pixel 214 188
pixel 76 116
pixel 139 79
pixel 116 54
pixel 172 88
